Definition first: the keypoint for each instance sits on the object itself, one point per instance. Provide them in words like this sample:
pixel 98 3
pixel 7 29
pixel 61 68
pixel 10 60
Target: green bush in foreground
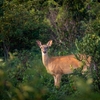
pixel 24 77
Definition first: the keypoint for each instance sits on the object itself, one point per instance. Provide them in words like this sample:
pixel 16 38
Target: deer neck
pixel 45 59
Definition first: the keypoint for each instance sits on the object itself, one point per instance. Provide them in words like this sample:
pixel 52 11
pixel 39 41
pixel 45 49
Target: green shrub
pixel 23 77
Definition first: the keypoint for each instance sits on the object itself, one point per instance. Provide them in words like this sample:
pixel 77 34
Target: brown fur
pixel 57 66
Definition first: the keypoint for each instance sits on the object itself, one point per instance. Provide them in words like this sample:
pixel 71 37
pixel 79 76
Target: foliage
pixel 21 24
pixel 71 25
pixel 23 77
pixel 90 43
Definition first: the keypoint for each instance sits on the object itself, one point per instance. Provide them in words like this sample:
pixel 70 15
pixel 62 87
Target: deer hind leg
pixel 57 79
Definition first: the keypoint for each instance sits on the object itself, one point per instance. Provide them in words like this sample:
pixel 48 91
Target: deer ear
pixel 49 43
pixel 39 43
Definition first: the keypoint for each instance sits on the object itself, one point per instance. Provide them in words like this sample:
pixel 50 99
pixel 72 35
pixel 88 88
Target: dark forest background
pixel 74 27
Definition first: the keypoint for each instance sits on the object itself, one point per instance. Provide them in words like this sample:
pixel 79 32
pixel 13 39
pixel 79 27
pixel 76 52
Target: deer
pixel 60 65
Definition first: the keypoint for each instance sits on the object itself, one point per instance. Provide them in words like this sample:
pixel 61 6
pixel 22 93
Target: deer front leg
pixel 57 79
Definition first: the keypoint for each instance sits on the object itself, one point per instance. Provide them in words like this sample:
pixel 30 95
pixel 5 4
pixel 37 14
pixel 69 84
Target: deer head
pixel 44 48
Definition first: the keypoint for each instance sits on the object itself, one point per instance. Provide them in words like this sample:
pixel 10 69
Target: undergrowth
pixel 23 77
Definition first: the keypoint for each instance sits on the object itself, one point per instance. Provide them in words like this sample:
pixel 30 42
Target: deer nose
pixel 44 51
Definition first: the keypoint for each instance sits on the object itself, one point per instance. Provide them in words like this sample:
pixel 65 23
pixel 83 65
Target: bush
pixel 23 77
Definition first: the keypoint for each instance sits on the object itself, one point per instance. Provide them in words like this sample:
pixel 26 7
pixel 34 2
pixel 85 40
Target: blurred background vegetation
pixel 74 27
